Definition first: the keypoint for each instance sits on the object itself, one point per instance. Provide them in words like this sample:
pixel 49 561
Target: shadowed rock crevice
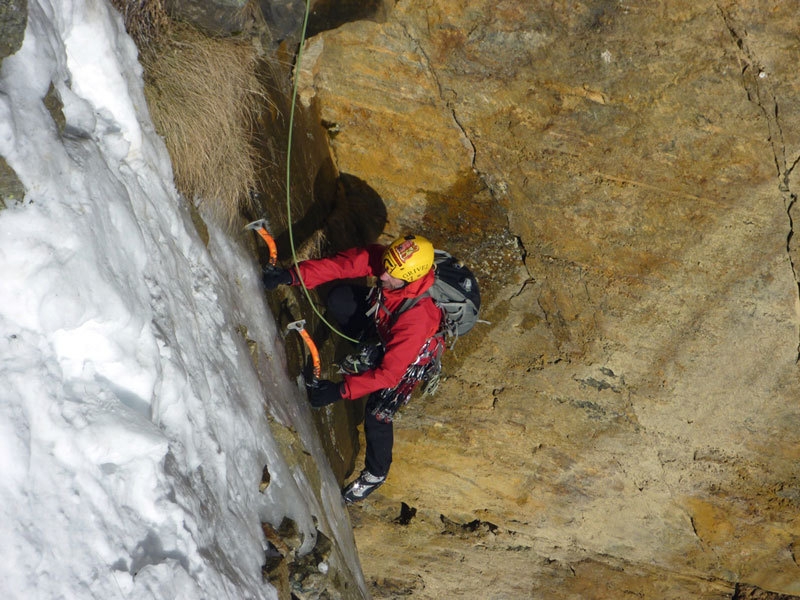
pixel 790 201
pixel 447 96
pixel 330 14
pixel 756 82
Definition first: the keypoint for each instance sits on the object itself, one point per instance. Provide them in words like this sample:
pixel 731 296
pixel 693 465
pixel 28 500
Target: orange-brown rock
pixel 628 423
pixel 398 130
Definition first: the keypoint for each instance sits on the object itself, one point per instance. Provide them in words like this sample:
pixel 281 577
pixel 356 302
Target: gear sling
pixel 455 292
pixel 425 368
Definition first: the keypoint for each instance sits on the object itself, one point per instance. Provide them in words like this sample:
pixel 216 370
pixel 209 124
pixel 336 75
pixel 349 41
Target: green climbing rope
pixel 289 177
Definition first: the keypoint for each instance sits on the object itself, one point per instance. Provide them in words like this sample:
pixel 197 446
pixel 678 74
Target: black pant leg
pixel 380 439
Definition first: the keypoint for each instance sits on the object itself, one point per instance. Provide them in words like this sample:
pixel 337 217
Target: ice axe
pixel 260 227
pixel 299 327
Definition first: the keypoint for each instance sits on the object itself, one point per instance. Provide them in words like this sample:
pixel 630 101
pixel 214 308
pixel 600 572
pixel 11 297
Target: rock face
pixel 13 20
pixel 622 176
pixel 217 17
pixel 397 129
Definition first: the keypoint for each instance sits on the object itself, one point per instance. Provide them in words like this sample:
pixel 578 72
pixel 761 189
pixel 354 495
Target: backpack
pixel 455 291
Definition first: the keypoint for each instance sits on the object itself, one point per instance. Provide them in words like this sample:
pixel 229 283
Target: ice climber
pixel 396 325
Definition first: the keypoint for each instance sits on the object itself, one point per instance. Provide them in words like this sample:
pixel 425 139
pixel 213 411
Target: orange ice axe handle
pixel 299 326
pixel 260 227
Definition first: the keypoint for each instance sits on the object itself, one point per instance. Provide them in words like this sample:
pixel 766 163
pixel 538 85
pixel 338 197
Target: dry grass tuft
pixel 314 246
pixel 204 99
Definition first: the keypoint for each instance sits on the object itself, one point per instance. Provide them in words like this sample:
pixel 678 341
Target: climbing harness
pixel 426 368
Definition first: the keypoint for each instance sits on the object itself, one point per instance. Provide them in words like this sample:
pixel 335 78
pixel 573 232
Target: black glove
pixel 275 276
pixel 324 392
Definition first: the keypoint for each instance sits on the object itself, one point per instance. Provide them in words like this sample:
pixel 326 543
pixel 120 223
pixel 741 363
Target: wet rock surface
pixel 622 176
pixel 13 20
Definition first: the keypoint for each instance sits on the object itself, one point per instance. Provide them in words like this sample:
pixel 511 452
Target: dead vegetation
pixel 204 98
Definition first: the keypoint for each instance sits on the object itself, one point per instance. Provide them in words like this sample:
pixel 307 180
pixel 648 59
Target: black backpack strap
pixel 407 303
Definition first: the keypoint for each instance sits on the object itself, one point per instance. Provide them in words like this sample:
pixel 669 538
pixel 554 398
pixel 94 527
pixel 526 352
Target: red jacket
pixel 402 339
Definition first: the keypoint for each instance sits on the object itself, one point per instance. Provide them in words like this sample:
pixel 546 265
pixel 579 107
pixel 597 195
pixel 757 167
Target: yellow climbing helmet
pixel 408 258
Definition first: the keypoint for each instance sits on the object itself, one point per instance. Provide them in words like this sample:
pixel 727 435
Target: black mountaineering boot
pixel 363 486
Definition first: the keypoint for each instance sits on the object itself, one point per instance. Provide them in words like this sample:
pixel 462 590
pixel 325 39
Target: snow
pixel 133 429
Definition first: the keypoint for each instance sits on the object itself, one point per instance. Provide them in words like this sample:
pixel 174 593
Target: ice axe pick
pixel 260 227
pixel 299 327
